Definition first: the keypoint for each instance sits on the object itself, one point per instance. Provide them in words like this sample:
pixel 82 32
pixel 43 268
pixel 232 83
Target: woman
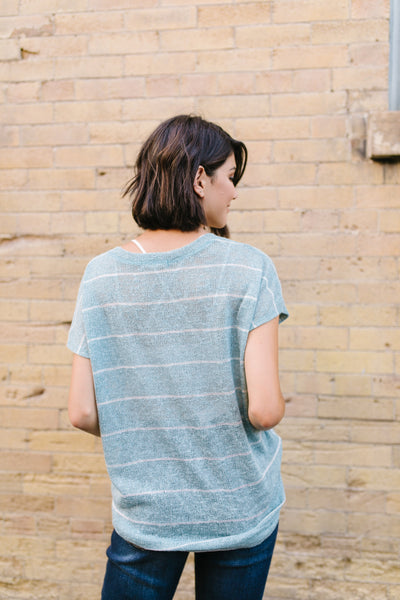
pixel 175 341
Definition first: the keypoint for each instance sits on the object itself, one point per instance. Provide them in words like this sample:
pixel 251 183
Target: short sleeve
pixel 77 340
pixel 270 303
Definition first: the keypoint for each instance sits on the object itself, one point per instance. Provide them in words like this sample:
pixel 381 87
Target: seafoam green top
pixel 166 334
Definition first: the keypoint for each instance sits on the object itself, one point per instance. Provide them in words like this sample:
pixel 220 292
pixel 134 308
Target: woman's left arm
pixel 82 409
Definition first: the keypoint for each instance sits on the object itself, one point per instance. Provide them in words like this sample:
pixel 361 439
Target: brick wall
pixel 82 82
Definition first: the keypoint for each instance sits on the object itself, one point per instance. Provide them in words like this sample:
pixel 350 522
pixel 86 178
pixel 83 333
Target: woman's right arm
pixel 82 408
pixel 266 404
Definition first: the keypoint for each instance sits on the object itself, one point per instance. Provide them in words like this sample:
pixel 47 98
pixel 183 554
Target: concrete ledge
pixel 383 136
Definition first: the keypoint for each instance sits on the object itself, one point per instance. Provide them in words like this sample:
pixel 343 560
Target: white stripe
pixel 169 301
pixel 272 294
pixel 167 366
pixel 175 523
pixel 137 273
pixel 177 427
pixel 172 331
pixel 172 459
pixel 174 396
pixel 208 491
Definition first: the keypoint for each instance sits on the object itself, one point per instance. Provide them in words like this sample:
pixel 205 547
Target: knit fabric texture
pixel 166 334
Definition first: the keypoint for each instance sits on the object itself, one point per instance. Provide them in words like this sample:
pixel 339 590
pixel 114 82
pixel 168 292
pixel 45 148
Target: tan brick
pixel 160 63
pixel 366 9
pixel 194 84
pixel 288 11
pixel 393 503
pixel 234 60
pixel 246 221
pixel 30 418
pixel 47 179
pixel 107 89
pixel 350 32
pixel 303 314
pixel 365 220
pixel 88 22
pixel 54 570
pixel 297 268
pixel 326 197
pixel 308 104
pixel 88 67
pixel 25 462
pixel 312 151
pixel 355 408
pixel 242 14
pixel 123 43
pixel 354 362
pixel 272 129
pixel 162 18
pixel 9 7
pixel 365 55
pixel 349 500
pixel 10 136
pixel 88 527
pixel 388 386
pixel 57 90
pixel 281 174
pixel 83 112
pixel 389 526
pixel 318 245
pixel 314 476
pixel 30 70
pixel 314 383
pixel 389 221
pixel 272 36
pixel 23 92
pixel 55 355
pixel 343 173
pixel 360 78
pixel 387 433
pixel 62 441
pixel 94 5
pixel 273 81
pixel 319 220
pixel 98 508
pixel 53 135
pixel 370 244
pixel 13 439
pixel 390 295
pixel 152 108
pixel 68 46
pixel 296 360
pixel 328 127
pixel 25 158
pixel 27 374
pixel 311 80
pixel 353 385
pixel 359 268
pixel 310 57
pixel 162 86
pixel 366 338
pixel 14 310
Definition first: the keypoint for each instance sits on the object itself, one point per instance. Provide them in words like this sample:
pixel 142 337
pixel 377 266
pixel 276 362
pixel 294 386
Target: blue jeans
pixel 136 574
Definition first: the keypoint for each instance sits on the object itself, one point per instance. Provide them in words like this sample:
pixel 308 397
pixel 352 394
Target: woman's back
pixel 166 333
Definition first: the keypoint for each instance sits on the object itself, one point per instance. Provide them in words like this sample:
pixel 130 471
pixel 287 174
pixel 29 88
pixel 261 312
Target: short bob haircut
pixel 161 190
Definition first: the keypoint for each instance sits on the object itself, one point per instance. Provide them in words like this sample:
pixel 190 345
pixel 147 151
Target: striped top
pixel 166 334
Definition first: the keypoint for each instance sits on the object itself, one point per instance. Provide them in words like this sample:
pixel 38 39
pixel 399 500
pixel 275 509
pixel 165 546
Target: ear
pixel 199 182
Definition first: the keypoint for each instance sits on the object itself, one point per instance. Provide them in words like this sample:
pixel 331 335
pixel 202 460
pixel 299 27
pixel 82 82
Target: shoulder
pixel 245 253
pixel 100 265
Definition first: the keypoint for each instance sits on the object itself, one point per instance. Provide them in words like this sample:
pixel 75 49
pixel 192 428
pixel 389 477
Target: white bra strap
pixel 139 246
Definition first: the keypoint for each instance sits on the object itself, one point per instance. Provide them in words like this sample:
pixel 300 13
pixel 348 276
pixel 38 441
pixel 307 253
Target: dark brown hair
pixel 161 190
